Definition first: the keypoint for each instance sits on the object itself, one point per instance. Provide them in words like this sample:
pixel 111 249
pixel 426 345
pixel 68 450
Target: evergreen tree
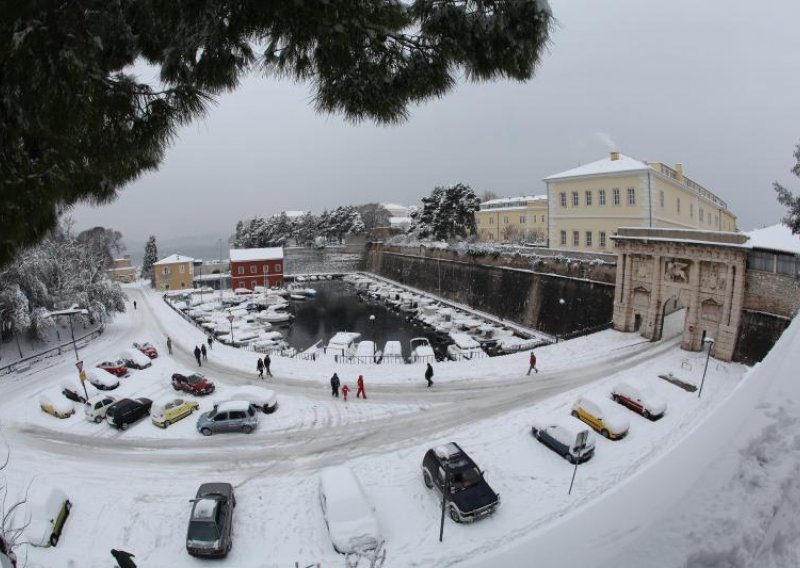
pixel 150 257
pixel 447 213
pixel 788 200
pixel 374 215
pixel 76 125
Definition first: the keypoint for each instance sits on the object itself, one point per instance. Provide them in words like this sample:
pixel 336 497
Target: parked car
pixel 263 399
pixel 146 348
pixel 127 411
pixel 211 521
pixel 102 379
pixel 115 367
pixel 196 383
pixel 95 408
pixel 44 515
pixel 74 390
pixel 349 515
pixel 231 416
pixel 609 423
pixel 469 496
pixel 640 399
pixel 135 359
pixel 562 439
pixel 56 406
pixel 168 412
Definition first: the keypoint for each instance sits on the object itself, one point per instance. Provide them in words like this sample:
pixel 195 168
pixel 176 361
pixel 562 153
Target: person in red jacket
pixel 345 390
pixel 533 364
pixel 361 392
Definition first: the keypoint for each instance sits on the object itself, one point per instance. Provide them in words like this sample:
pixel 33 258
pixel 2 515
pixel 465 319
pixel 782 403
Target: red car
pixel 193 384
pixel 147 349
pixel 115 367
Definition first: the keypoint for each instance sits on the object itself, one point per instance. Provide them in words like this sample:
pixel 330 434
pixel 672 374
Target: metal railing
pixel 26 362
pixel 584 331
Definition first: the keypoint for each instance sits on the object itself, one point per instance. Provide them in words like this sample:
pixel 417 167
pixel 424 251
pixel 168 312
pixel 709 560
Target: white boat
pixel 392 353
pixel 421 350
pixel 302 291
pixel 367 352
pixel 463 347
pixel 298 297
pixel 274 316
pixel 343 344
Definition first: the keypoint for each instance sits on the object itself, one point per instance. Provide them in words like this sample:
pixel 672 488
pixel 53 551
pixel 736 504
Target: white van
pixel 95 408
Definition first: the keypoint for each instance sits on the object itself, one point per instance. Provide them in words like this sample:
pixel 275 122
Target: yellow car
pixel 56 406
pixel 168 412
pixel 606 421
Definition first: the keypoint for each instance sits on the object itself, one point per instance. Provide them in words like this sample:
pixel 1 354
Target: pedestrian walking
pixel 267 363
pixel 345 390
pixel 197 354
pixel 532 363
pixel 169 345
pixel 361 390
pixel 123 558
pixel 203 351
pixel 260 367
pixel 210 342
pixel 335 385
pixel 134 304
pixel 429 375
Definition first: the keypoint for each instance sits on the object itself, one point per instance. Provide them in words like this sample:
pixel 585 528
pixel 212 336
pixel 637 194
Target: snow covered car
pixel 135 359
pixel 597 414
pixel 95 408
pixel 127 411
pixel 469 497
pixel 115 367
pixel 74 390
pixel 164 413
pixel 146 348
pixel 196 384
pixel 349 515
pixel 263 399
pixel 211 521
pixel 562 439
pixel 640 399
pixel 231 416
pixel 56 406
pixel 101 379
pixel 45 513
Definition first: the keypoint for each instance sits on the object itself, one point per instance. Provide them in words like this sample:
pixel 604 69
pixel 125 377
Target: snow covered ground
pixel 131 489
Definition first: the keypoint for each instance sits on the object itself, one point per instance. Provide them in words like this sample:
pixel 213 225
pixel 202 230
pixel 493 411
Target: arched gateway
pixel 660 270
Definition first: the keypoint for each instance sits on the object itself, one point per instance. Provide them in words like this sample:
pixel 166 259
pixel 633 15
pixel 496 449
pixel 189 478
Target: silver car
pixel 231 416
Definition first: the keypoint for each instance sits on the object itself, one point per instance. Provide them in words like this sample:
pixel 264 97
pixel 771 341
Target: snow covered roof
pixel 294 214
pixel 399 220
pixel 777 237
pixel 244 255
pixel 508 200
pixel 173 258
pixel 605 166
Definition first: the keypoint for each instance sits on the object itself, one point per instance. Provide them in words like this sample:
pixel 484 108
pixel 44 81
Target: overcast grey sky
pixel 713 84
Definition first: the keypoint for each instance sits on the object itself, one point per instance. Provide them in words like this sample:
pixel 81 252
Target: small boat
pixel 421 350
pixel 343 344
pixel 463 347
pixel 298 297
pixel 367 352
pixel 392 353
pixel 274 316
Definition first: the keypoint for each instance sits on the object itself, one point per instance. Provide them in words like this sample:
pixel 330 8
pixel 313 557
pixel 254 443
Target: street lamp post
pixel 372 326
pixel 710 343
pixel 230 321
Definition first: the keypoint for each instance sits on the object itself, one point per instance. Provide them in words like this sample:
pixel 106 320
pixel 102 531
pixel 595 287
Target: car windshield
pixel 192 379
pixel 203 531
pixel 466 478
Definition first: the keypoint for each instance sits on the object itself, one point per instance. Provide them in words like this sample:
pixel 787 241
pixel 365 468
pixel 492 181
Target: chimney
pixel 679 169
pixel 614 156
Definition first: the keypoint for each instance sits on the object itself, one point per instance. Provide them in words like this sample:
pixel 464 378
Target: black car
pixel 126 411
pixel 563 440
pixel 469 497
pixel 211 521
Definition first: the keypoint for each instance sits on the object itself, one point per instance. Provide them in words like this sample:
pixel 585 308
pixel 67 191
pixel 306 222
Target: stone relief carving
pixel 676 271
pixel 713 277
pixel 641 269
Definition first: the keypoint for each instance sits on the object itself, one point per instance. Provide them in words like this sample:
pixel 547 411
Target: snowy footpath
pixel 131 489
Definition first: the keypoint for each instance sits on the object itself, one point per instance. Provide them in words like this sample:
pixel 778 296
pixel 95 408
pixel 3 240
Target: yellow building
pixel 173 273
pixel 513 219
pixel 122 270
pixel 589 203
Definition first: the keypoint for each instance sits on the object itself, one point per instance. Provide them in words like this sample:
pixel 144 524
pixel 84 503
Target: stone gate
pixel 662 270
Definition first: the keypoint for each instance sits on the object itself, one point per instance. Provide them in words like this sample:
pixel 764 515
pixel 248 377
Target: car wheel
pixel 570 457
pixel 167 423
pixel 615 398
pixel 176 388
pixel 124 426
pixel 53 539
pixel 98 419
pixel 205 431
pixel 604 433
pixel 646 414
pixel 575 413
pixel 426 478
pixel 454 515
pixel 247 429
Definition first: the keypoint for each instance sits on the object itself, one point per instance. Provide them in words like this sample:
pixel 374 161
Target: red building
pixel 256 267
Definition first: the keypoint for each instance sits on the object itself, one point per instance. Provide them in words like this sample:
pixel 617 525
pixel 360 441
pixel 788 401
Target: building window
pixel 505 220
pixel 691 211
pixel 277 268
pixel 564 238
pixel 542 218
pixel 631 196
pixel 701 215
pixel 602 239
pixel 253 269
pixel 602 197
pixel 787 264
pixel 166 271
pixel 588 197
pixel 576 238
pixel 615 192
pixel 522 220
pixel 241 270
pixel 491 220
pixel 574 198
pixel 661 199
pixel 678 205
pixel 181 268
pixel 758 260
pixel 588 238
pixel 253 283
pixel 563 199
pixel 265 269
